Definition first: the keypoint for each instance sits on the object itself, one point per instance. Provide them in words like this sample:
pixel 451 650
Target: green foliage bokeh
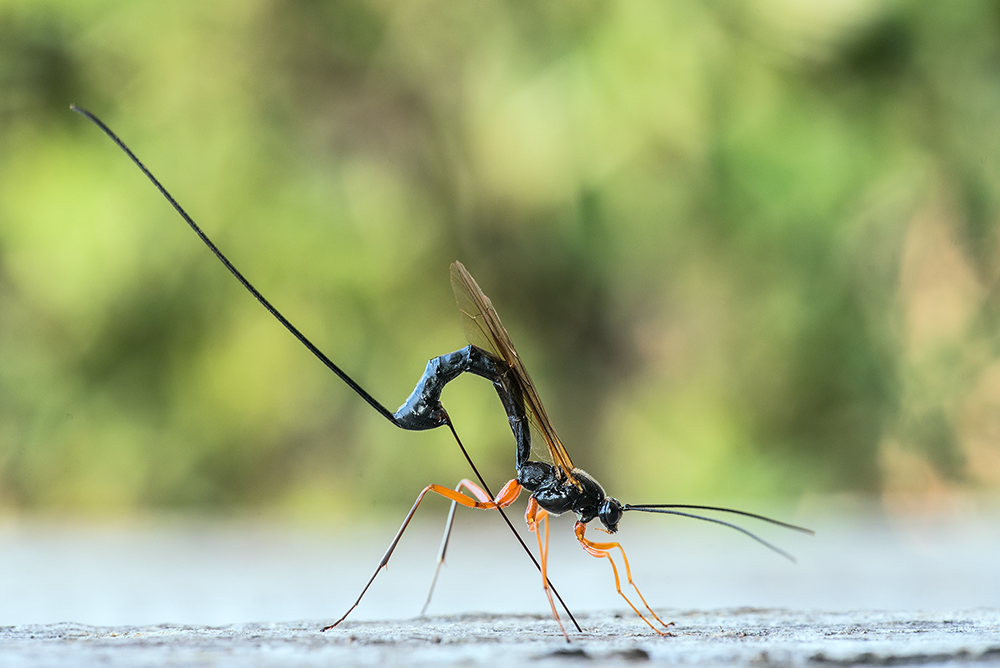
pixel 745 248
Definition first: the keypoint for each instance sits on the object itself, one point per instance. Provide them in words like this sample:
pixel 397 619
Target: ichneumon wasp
pixel 554 488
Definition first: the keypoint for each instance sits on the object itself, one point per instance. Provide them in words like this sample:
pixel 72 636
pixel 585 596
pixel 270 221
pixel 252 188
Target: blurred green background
pixel 746 249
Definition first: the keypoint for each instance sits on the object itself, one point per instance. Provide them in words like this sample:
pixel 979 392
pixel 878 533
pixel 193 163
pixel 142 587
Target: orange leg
pixel 507 496
pixel 534 516
pixel 603 550
pixel 476 491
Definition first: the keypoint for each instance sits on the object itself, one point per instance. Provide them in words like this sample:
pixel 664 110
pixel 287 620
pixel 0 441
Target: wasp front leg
pixel 603 550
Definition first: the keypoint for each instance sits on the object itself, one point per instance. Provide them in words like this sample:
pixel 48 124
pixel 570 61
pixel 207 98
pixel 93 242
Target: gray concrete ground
pixel 220 593
pixel 724 638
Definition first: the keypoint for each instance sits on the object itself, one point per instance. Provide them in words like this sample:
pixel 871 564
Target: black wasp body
pixel 554 492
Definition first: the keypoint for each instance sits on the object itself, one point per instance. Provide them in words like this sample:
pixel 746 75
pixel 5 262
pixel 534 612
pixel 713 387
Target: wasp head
pixel 610 513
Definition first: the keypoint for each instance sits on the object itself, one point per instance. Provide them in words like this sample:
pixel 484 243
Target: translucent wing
pixel 483 329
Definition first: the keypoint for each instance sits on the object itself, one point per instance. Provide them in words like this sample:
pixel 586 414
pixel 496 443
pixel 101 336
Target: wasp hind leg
pixel 506 497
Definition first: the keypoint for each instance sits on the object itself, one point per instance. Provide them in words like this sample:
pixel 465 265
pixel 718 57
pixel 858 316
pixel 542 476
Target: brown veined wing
pixel 483 329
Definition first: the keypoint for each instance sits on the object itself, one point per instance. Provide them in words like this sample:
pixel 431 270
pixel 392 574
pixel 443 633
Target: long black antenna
pixel 372 401
pixel 666 509
pixel 686 506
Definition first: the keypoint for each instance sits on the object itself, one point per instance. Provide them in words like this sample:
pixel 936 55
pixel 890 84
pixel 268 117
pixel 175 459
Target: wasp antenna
pixel 386 413
pixel 649 507
pixel 665 511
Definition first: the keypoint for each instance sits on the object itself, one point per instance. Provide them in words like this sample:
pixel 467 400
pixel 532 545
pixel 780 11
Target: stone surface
pixel 723 638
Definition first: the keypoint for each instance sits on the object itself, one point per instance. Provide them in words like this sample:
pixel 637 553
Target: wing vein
pixel 483 329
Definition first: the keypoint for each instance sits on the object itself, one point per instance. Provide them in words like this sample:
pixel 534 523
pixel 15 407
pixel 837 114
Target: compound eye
pixel 610 514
